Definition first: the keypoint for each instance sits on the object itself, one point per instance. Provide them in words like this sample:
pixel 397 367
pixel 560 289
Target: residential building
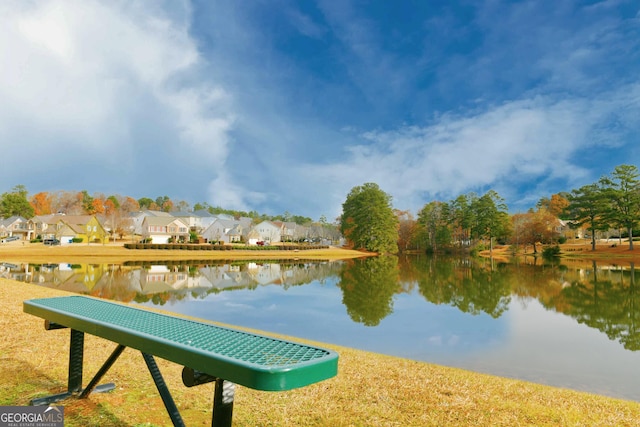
pixel 270 232
pixel 15 226
pixel 162 229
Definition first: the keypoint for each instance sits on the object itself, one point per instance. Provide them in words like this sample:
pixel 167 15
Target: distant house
pixel 253 237
pixel 269 231
pixel 138 218
pixel 293 232
pixel 192 219
pixel 161 229
pixel 44 226
pixel 206 218
pixel 15 226
pixel 227 231
pixel 86 228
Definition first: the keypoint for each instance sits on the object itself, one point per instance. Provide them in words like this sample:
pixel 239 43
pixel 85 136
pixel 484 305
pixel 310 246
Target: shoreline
pixel 117 253
pixel 370 389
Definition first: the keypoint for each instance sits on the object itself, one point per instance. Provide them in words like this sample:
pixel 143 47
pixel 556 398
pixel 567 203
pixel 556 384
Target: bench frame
pixel 224 390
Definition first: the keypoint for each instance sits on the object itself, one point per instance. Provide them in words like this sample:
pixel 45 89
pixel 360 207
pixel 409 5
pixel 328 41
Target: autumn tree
pixel 41 203
pixel 16 203
pixel 407 229
pixel 535 227
pixel 129 204
pixel 368 221
pixel 98 205
pixel 111 204
pixel 558 203
pixel 554 205
pixel 66 202
pixel 622 189
pixel 117 211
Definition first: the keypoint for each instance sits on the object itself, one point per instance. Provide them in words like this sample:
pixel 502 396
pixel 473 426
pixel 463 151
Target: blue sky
pixel 281 105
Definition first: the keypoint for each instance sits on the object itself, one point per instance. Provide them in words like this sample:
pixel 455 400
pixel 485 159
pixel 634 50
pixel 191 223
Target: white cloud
pixel 225 193
pixel 87 79
pixel 227 102
pixel 504 147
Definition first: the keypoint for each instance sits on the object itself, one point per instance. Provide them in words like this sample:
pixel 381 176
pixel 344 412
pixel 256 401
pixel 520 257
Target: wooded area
pixel 610 206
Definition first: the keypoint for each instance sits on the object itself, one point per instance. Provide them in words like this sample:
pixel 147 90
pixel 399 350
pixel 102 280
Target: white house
pixel 206 218
pixel 269 232
pixel 225 230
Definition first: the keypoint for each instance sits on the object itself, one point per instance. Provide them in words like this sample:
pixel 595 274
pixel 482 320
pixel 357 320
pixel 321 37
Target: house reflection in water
pixel 127 282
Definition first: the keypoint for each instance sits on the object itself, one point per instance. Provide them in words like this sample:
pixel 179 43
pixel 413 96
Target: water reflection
pixel 472 286
pixel 603 297
pixel 607 302
pixel 162 282
pixel 368 286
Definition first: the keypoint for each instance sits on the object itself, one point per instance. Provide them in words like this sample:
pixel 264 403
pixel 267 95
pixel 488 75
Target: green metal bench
pixel 207 352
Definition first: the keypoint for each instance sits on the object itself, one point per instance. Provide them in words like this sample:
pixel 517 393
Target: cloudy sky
pixel 280 105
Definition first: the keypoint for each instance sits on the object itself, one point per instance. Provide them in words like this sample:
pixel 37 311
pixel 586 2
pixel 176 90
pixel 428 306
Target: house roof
pixel 180 214
pixel 204 213
pixel 75 219
pixel 12 219
pixel 147 213
pixel 163 221
pixel 69 219
pixel 75 228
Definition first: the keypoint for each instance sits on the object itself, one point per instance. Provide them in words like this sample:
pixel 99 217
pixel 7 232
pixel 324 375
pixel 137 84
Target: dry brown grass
pixel 370 389
pixel 116 253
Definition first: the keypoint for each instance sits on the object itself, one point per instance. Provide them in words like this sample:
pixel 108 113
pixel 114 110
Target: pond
pixel 569 326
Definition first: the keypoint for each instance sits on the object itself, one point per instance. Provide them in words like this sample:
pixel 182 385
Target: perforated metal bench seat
pixel 252 360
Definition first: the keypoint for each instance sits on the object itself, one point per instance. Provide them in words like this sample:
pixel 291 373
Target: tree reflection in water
pixel 368 286
pixel 610 306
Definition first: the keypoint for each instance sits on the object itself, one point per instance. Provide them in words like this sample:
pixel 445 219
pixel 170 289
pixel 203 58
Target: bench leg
pixel 223 395
pixel 76 358
pixel 93 384
pixel 223 403
pixel 74 380
pixel 172 409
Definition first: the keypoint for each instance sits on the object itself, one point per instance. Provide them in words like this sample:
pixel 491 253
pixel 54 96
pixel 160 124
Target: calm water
pixel 548 323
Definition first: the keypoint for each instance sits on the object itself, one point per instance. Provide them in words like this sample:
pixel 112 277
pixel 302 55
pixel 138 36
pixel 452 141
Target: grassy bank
pixel 370 389
pixel 116 253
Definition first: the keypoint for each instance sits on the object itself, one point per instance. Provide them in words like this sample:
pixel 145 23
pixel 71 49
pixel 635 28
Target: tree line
pixel 117 208
pixel 612 204
pixel 370 222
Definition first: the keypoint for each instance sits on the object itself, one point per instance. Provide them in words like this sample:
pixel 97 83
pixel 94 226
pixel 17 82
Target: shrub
pixel 551 251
